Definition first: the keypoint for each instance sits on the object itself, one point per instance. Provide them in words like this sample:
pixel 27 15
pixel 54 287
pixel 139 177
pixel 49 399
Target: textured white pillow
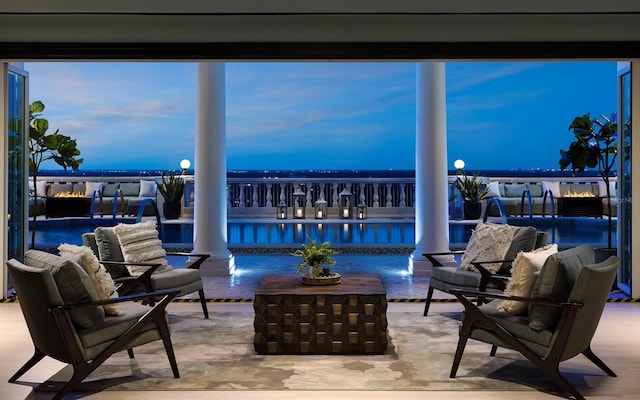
pixel 147 189
pixel 524 271
pixel 553 186
pixel 91 187
pixel 493 189
pixel 488 242
pixel 101 279
pixel 140 243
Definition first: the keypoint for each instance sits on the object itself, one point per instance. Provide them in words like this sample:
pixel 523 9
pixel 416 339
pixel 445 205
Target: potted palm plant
pixel 318 261
pixel 472 191
pixel 172 189
pixel 594 147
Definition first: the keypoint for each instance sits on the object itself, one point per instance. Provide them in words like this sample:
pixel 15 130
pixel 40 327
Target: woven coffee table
pixel 348 318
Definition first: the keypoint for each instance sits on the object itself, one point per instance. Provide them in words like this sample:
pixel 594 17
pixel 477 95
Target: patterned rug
pixel 217 354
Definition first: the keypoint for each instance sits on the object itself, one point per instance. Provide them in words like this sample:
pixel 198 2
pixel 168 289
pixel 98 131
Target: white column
pixel 210 208
pixel 431 198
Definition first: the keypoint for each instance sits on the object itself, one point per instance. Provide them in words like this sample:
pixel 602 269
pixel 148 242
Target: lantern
pixel 346 200
pixel 281 210
pixel 361 211
pixel 321 209
pixel 298 204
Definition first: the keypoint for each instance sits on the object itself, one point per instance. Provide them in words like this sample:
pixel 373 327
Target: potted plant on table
pixel 172 189
pixel 318 261
pixel 472 192
pixel 594 147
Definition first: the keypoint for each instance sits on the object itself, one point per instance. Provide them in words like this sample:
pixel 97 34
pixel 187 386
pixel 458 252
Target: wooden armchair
pixel 106 247
pixel 564 310
pixel 447 277
pixel 67 321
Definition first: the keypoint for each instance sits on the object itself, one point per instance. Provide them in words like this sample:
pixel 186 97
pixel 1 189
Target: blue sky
pixel 293 115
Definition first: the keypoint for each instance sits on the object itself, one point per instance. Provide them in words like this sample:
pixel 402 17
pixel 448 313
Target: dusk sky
pixel 293 115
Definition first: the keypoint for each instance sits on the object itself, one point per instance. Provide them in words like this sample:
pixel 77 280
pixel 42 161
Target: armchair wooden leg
pixel 427 302
pixel 203 302
pixel 462 342
pixel 494 348
pixel 597 361
pixel 37 356
pixel 130 352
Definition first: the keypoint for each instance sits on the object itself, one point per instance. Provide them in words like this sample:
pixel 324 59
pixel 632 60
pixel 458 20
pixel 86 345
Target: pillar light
pixel 346 201
pixel 185 165
pixel 299 204
pixel 281 210
pixel 321 209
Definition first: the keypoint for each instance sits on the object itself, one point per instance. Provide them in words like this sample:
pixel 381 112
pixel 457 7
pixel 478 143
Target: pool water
pixel 566 232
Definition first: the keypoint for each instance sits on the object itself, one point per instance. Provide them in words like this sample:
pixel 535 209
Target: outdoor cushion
pixel 535 190
pixel 91 187
pixel 186 279
pixel 74 286
pixel 140 244
pixel 488 242
pixel 101 279
pixel 130 189
pixel 109 189
pixel 109 249
pixel 524 239
pixel 147 189
pixel 56 188
pixel 523 276
pixel 514 190
pixel 555 281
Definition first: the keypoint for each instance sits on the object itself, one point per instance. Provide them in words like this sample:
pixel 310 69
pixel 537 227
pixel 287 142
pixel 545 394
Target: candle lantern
pixel 346 200
pixel 361 211
pixel 299 204
pixel 281 210
pixel 321 209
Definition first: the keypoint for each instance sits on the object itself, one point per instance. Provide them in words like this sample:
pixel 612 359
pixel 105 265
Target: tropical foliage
pixel 45 146
pixel 172 187
pixel 594 147
pixel 317 258
pixel 470 188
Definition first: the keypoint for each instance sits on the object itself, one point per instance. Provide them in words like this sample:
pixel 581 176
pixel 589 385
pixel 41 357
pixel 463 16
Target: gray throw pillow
pixel 523 240
pixel 109 250
pixel 74 285
pixel 555 281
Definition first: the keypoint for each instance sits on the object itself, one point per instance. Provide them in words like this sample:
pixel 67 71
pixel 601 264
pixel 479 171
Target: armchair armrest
pixel 487 276
pixel 463 294
pixel 171 293
pixel 434 261
pixel 201 257
pixel 130 282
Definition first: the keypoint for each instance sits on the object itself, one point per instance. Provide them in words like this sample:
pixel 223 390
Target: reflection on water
pixel 564 231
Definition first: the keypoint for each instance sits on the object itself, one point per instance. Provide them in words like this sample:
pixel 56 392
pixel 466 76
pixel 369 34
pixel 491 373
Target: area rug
pixel 217 354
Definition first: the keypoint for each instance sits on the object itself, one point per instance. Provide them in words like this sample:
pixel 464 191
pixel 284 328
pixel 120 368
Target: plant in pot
pixel 472 192
pixel 594 147
pixel 171 188
pixel 318 261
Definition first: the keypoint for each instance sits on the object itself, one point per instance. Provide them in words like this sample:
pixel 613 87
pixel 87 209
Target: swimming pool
pixel 566 232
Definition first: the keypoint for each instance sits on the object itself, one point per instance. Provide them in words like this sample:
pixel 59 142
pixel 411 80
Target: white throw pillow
pixel 524 272
pixel 91 187
pixel 147 189
pixel 140 243
pixel 101 279
pixel 488 242
pixel 493 189
pixel 553 186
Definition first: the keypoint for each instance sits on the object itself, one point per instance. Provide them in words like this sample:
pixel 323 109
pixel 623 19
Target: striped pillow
pixel 140 243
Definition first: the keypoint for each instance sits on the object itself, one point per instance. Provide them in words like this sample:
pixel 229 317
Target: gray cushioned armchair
pixel 565 307
pixel 445 278
pixel 106 247
pixel 67 322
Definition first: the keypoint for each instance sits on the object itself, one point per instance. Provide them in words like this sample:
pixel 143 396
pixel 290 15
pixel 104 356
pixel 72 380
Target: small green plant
pixel 317 258
pixel 470 188
pixel 172 187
